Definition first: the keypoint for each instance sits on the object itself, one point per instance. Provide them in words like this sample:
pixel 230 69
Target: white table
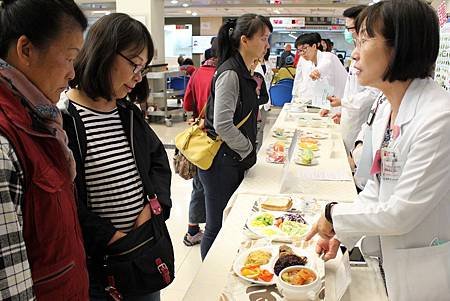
pixel 264 178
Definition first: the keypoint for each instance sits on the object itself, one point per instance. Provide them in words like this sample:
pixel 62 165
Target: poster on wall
pixel 442 71
pixel 201 43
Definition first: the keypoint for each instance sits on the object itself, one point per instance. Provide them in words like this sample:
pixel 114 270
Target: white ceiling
pixel 220 8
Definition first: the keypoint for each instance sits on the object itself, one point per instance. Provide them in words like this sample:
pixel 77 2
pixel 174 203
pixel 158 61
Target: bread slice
pixel 277 204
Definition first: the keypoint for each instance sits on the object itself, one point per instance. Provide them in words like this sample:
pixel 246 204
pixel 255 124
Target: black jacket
pixel 248 102
pixel 151 160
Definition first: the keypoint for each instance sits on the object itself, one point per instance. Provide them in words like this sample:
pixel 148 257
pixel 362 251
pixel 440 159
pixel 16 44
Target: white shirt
pixel 267 80
pixel 330 68
pixel 356 104
pixel 407 212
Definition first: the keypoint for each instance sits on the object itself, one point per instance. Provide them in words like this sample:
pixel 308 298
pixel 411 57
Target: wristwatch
pixel 328 211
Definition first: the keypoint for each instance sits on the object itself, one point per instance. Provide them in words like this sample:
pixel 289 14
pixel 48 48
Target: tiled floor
pixel 187 259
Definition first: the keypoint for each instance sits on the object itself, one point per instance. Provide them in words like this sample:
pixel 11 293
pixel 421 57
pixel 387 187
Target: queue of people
pixel 86 184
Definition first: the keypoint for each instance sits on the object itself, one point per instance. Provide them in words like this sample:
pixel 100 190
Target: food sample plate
pixel 247 263
pixel 278 226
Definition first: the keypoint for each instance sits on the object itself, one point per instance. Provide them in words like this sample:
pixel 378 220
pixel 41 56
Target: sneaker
pixel 190 240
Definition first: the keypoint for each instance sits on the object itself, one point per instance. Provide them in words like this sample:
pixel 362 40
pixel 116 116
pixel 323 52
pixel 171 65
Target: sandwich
pixel 277 204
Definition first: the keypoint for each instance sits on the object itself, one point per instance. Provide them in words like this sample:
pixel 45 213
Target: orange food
pixel 278 147
pixel 308 140
pixel 265 275
pixel 299 277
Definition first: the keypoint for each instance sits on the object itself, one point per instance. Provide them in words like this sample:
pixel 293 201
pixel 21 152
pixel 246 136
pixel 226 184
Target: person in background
pixel 195 98
pixel 180 60
pixel 323 65
pixel 286 53
pixel 233 99
pixel 264 68
pixel 324 45
pixel 188 66
pixel 209 52
pixel 357 100
pixel 41 246
pixel 404 207
pixel 121 162
pixel 286 72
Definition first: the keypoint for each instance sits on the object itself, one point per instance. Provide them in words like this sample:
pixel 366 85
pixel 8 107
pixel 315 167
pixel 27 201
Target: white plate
pixel 272 231
pixel 313 162
pixel 239 263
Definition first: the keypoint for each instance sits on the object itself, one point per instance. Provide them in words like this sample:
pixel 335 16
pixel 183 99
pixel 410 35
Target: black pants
pixel 220 181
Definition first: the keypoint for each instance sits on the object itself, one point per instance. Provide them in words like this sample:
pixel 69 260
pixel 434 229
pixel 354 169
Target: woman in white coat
pixel 405 206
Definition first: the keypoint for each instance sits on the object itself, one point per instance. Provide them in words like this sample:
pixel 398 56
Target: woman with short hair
pixel 121 163
pixel 404 208
pixel 41 246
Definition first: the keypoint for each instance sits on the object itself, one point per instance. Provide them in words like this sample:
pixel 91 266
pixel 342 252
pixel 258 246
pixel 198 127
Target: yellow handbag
pixel 197 146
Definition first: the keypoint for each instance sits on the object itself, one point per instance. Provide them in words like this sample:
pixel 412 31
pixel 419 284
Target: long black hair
pixel 229 36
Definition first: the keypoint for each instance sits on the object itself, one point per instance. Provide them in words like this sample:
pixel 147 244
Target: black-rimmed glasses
pixel 137 69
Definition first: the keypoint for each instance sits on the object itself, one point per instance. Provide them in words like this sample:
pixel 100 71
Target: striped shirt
pixel 114 188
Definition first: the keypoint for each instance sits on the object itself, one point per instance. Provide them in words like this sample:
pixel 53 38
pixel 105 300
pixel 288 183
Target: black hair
pixel 180 60
pixel 329 45
pixel 109 36
pixel 212 40
pixel 411 29
pixel 306 39
pixel 41 21
pixel 188 61
pixel 354 11
pixel 229 36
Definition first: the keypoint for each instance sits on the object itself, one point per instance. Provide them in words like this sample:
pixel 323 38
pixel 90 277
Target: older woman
pixel 39 230
pixel 123 174
pixel 405 207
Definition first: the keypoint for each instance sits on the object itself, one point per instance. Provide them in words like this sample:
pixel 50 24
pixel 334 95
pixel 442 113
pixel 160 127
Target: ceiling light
pixel 188 12
pixel 185 5
pixel 174 1
pixel 194 14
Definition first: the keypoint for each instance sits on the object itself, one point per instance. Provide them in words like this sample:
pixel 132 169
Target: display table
pixel 269 179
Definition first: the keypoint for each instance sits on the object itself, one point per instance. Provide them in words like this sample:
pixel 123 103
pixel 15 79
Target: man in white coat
pixel 406 203
pixel 314 65
pixel 357 100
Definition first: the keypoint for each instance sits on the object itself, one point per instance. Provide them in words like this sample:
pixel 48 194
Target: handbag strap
pixel 244 120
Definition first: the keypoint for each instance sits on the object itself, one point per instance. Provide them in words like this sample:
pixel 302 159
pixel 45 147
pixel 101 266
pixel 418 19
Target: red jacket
pixel 198 89
pixel 50 225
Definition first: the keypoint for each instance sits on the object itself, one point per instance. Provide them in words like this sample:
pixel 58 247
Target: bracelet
pixel 328 211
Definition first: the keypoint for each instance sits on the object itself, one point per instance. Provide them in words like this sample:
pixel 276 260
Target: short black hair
pixel 411 29
pixel 188 61
pixel 306 39
pixel 41 21
pixel 229 36
pixel 108 36
pixel 354 11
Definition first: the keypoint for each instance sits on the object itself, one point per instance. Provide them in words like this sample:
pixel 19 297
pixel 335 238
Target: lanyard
pixel 373 112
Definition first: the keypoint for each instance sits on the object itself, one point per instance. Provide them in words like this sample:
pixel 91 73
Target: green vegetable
pixel 294 228
pixel 307 156
pixel 265 219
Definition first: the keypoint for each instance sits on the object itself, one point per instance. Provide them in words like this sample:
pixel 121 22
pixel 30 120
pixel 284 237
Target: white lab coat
pixel 408 213
pixel 355 107
pixel 330 68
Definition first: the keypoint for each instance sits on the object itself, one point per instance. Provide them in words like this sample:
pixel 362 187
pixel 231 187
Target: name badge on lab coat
pixel 391 167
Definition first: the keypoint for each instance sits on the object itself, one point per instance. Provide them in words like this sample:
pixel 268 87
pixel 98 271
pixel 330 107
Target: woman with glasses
pixel 120 160
pixel 404 209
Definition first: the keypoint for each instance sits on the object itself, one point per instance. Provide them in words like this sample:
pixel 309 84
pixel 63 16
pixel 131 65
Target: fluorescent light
pixel 100 12
pixel 174 1
pixel 188 12
pixel 185 5
pixel 194 14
